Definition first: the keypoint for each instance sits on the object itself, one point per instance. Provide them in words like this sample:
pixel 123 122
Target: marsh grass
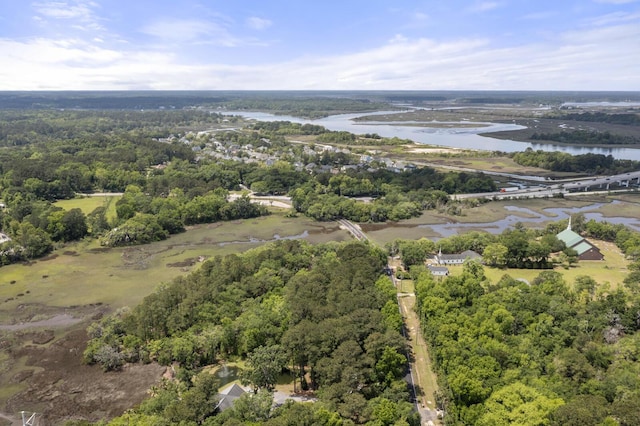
pixel 86 273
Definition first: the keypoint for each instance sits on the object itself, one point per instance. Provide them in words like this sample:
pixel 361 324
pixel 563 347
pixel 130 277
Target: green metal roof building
pixel 585 250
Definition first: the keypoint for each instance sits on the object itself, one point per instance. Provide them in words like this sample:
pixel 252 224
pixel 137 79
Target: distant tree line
pixel 270 128
pixel 586 137
pixel 584 163
pixel 307 107
pixel 629 119
pixel 397 195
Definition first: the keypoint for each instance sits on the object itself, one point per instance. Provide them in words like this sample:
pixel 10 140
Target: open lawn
pixel 89 204
pixel 609 273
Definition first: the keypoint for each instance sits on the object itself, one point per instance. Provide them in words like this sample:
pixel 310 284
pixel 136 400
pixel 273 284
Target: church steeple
pixel 569 224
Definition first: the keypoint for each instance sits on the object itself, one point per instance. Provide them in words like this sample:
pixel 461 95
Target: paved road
pixel 623 183
pixel 353 229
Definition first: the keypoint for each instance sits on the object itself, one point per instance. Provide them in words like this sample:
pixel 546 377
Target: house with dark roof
pixel 228 396
pixel 438 271
pixel 456 259
pixel 585 249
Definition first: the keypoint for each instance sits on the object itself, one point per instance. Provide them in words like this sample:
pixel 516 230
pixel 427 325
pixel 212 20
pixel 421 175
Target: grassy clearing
pixel 609 273
pixel 89 204
pixel 85 273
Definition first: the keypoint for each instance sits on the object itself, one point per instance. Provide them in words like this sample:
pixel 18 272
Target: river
pixel 454 137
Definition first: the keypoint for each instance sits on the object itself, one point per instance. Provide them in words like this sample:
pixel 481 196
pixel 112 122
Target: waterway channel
pixel 531 218
pixel 466 136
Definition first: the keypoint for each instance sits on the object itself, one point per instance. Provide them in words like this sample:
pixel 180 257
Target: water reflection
pixel 531 217
pixel 227 374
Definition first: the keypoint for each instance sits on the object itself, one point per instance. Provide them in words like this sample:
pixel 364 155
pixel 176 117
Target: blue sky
pixel 320 45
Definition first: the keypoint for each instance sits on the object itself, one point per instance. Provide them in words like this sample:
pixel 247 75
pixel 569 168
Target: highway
pixel 622 182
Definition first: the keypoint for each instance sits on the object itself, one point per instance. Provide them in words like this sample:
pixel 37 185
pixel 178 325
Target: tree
pixel 253 408
pixel 474 268
pixel 35 241
pixel 519 404
pixel 495 254
pixel 140 229
pixel 74 224
pixel 97 221
pixel 391 365
pixel 264 365
pixel 415 252
pixel 627 409
pixel 196 403
pixel 583 410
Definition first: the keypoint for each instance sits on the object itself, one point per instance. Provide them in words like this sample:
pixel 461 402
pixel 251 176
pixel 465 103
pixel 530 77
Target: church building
pixel 585 250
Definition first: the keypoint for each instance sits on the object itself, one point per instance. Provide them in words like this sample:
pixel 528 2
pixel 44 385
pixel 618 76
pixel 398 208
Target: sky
pixel 320 45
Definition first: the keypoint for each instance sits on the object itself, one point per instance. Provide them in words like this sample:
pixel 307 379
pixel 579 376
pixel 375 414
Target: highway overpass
pixel 604 183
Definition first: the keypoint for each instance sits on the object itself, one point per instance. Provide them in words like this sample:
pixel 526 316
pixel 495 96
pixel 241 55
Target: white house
pixel 456 259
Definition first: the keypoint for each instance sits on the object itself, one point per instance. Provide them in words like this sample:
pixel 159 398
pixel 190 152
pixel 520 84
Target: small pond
pixel 227 374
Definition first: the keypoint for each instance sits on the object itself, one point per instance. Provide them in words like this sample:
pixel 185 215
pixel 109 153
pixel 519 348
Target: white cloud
pixel 483 6
pixel 614 18
pixel 539 16
pixel 82 12
pixel 593 58
pixel 64 10
pixel 196 32
pixel 258 23
pixel 185 30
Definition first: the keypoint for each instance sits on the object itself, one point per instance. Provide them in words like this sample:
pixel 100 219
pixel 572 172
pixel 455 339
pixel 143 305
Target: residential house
pixel 438 271
pixel 456 259
pixel 229 395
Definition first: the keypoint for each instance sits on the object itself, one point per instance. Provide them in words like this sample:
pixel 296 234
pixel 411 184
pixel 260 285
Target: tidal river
pixel 454 137
pixel 534 218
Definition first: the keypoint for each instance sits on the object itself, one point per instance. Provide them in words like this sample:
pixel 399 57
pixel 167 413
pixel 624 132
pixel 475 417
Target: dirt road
pixel 420 363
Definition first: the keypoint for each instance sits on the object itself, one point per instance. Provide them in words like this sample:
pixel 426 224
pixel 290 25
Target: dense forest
pixel 586 137
pixel 547 352
pixel 301 104
pixel 170 176
pixel 629 119
pixel 324 314
pixel 584 163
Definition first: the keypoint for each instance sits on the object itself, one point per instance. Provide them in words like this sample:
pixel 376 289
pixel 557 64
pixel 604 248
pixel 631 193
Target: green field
pixel 608 273
pixel 89 204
